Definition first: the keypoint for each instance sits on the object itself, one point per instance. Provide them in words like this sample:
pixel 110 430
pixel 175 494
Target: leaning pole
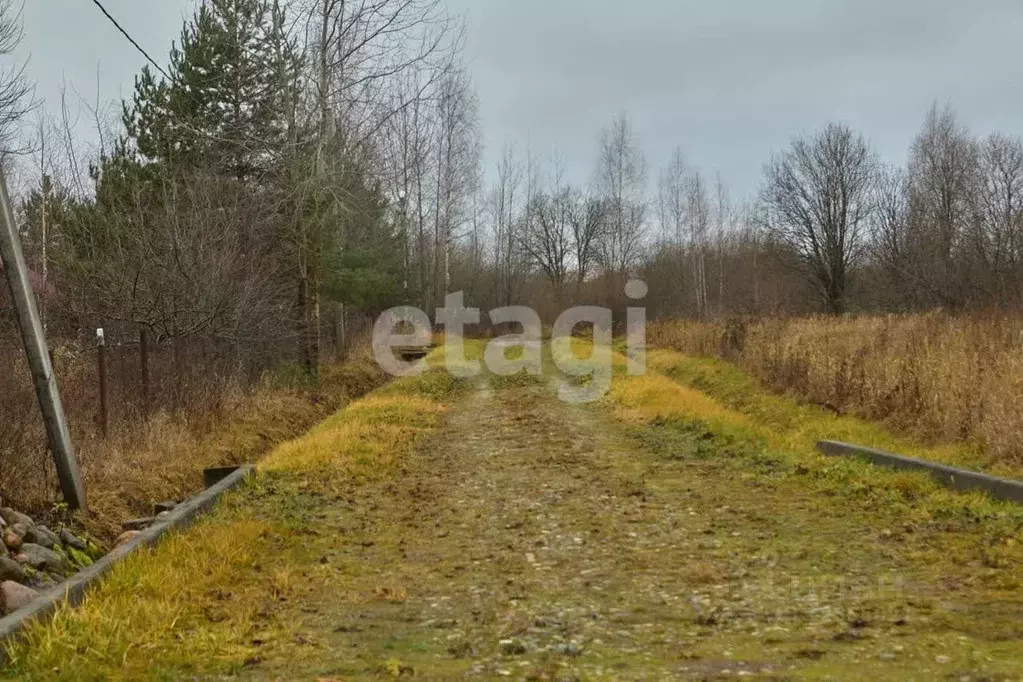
pixel 16 270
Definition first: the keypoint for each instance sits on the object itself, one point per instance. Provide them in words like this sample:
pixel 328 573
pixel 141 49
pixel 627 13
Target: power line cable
pixel 170 80
pixel 130 39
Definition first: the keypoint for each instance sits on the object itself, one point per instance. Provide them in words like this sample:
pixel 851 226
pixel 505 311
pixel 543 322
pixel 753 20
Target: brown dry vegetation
pixel 149 460
pixel 937 377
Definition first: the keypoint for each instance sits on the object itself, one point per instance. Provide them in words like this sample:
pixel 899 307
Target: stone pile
pixel 34 558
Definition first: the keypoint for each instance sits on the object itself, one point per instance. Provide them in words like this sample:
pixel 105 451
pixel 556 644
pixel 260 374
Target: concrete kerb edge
pixel 1004 489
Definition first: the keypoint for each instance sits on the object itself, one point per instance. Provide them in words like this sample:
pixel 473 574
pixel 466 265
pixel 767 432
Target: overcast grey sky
pixel 728 80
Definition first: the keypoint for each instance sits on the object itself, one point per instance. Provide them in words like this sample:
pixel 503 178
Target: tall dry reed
pixel 936 376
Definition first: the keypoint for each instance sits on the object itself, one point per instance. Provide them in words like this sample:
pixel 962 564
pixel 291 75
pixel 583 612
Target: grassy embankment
pixel 205 600
pixel 163 457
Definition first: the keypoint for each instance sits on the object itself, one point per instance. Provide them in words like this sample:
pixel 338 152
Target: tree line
pixel 295 159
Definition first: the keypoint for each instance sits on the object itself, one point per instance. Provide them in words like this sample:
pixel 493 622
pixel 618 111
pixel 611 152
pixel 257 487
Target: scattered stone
pixel 14 596
pixel 12 540
pixel 71 540
pixel 512 647
pixel 50 534
pixel 462 649
pixel 42 536
pixel 51 579
pixel 64 556
pixel 126 537
pixel 12 517
pixel 11 570
pixel 39 557
pixel 887 656
pixel 138 524
pixel 942 660
pixel 568 649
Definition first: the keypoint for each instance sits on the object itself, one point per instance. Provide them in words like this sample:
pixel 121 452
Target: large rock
pixel 11 570
pixel 72 540
pixel 40 558
pixel 13 596
pixel 42 536
pixel 12 517
pixel 12 540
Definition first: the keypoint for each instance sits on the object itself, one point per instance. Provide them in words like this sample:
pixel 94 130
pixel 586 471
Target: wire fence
pixel 111 388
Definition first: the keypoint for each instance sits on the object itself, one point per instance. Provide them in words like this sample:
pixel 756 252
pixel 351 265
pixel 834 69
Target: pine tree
pixel 229 104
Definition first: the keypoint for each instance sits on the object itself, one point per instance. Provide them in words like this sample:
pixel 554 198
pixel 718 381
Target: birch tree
pixel 673 213
pixel 621 185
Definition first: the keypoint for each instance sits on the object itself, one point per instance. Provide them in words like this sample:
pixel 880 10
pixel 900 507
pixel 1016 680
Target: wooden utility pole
pixel 24 302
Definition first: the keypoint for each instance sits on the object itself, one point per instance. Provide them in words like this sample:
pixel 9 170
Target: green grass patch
pixel 208 600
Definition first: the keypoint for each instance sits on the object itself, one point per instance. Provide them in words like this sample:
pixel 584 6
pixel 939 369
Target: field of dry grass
pixel 935 377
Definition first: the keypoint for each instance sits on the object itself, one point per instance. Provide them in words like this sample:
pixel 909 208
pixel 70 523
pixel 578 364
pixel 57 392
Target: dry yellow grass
pixel 936 377
pixel 207 600
pixel 163 458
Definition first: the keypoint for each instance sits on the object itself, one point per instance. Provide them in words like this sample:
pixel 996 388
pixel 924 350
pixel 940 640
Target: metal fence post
pixel 104 396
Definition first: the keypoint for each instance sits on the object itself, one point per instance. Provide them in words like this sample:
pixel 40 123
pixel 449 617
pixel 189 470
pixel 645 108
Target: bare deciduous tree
pixel 698 219
pixel 890 225
pixel 818 198
pixel 621 184
pixel 673 212
pixel 507 257
pixel 547 231
pixel 998 237
pixel 587 223
pixel 458 169
pixel 942 185
pixel 15 89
